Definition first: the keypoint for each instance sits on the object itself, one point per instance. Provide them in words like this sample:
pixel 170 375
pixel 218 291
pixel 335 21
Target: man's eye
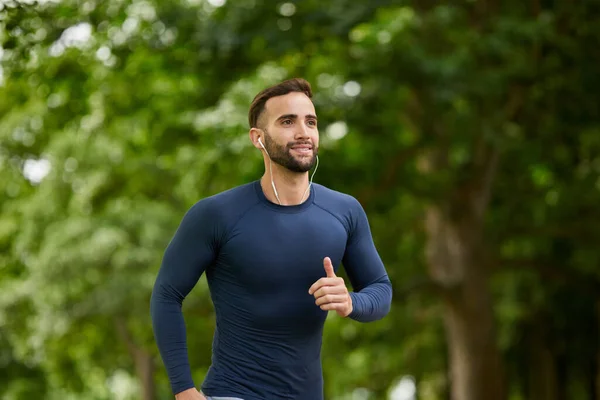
pixel 286 121
pixel 312 122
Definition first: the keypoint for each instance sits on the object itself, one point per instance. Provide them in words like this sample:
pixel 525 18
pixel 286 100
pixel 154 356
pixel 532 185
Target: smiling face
pixel 291 136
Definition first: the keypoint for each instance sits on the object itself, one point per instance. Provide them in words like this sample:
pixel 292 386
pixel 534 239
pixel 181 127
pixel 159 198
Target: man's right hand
pixel 190 394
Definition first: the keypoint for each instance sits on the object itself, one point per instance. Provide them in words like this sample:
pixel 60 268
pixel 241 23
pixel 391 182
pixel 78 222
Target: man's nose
pixel 302 131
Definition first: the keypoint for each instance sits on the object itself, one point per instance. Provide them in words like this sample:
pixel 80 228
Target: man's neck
pixel 291 186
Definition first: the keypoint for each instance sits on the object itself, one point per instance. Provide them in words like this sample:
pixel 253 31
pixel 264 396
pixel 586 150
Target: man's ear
pixel 254 134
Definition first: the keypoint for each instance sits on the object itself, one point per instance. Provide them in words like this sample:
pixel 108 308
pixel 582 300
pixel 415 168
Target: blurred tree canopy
pixel 469 131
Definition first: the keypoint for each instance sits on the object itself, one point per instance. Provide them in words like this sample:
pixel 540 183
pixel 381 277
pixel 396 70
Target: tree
pixel 468 131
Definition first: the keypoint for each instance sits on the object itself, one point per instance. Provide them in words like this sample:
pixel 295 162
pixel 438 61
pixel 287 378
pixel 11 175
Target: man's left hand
pixel 331 293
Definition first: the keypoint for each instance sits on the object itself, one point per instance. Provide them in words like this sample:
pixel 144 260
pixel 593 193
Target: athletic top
pixel 260 259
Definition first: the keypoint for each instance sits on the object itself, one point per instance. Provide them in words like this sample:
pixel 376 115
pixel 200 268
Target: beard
pixel 282 155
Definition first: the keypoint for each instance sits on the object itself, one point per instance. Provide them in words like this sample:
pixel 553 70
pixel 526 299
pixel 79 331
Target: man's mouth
pixel 302 148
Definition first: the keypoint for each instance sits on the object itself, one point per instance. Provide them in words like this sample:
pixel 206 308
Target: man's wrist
pixel 184 393
pixel 350 306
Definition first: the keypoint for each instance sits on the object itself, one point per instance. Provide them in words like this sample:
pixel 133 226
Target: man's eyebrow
pixel 287 116
pixel 294 116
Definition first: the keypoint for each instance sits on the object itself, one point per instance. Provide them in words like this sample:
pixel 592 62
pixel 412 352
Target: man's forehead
pixel 292 103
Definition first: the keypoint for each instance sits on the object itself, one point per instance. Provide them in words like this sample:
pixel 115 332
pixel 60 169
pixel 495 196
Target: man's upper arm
pixel 192 249
pixel 361 259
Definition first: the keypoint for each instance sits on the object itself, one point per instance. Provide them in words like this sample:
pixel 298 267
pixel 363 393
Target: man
pixel 270 250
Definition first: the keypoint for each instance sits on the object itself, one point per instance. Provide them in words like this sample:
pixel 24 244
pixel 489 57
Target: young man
pixel 270 250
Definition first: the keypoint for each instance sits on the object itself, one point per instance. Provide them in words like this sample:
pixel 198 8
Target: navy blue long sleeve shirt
pixel 260 259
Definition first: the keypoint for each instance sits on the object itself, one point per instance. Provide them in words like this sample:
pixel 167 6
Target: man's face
pixel 291 133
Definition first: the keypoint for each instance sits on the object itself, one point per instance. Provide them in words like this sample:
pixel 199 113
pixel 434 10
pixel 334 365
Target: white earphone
pixel 271 170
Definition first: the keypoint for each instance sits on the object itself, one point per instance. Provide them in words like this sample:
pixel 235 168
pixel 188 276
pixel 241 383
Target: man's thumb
pixel 328 267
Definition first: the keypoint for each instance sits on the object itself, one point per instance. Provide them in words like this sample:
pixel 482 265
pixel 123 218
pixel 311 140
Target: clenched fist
pixel 331 293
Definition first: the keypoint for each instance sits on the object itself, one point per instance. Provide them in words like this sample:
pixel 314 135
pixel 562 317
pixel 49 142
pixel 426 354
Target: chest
pixel 282 251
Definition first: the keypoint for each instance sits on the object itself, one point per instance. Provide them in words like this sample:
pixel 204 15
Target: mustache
pixel 300 143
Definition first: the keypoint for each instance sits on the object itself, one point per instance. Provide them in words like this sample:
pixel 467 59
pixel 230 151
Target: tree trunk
pixel 598 351
pixel 144 366
pixel 144 363
pixel 456 266
pixel 543 379
pixel 457 263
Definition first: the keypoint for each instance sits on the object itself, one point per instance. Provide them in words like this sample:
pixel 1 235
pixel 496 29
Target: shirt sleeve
pixel 191 250
pixel 372 288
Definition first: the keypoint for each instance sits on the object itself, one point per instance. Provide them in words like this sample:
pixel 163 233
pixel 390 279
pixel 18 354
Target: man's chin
pixel 304 167
pixel 298 164
pixel 300 167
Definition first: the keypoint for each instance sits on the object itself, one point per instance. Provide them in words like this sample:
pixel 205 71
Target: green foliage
pixel 148 114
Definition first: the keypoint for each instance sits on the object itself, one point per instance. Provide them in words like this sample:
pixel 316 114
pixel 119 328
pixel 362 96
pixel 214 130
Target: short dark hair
pixel 291 85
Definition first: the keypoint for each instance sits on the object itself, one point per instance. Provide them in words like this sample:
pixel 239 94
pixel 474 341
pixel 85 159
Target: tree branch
pixel 125 336
pixel 389 179
pixel 482 197
pixel 487 156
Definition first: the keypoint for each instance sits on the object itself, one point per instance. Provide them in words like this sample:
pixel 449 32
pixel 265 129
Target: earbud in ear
pixel 262 145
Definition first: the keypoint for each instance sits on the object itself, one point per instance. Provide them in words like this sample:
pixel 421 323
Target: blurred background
pixel 469 131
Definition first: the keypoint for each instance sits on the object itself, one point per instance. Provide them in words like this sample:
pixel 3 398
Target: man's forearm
pixel 170 335
pixel 373 302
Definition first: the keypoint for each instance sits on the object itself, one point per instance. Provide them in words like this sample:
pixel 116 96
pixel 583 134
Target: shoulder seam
pixel 234 224
pixel 334 216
